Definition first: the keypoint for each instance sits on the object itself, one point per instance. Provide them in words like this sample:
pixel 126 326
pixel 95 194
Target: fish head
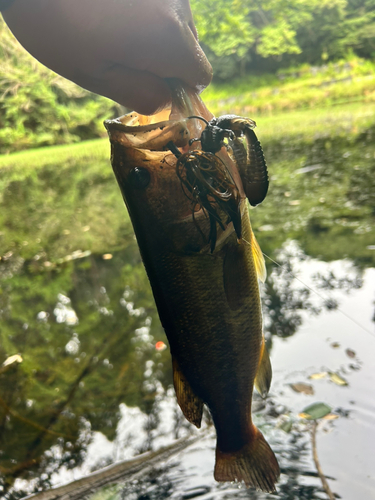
pixel 145 151
pixel 145 169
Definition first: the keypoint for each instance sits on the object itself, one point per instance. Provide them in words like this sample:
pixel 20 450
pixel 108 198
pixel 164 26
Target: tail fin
pixel 255 464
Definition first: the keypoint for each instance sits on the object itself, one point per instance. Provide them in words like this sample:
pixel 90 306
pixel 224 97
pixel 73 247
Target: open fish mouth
pixel 202 178
pixel 133 131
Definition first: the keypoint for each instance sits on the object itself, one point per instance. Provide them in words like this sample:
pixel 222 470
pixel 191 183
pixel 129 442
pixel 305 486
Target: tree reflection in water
pixel 86 327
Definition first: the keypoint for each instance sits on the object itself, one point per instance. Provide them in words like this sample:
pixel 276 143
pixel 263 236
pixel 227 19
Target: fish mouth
pixel 172 124
pixel 151 133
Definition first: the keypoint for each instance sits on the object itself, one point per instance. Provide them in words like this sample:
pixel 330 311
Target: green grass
pixel 297 88
pixel 299 125
pixel 97 149
pixel 308 125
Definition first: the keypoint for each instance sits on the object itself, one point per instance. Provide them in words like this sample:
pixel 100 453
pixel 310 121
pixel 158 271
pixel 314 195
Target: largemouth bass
pixel 207 294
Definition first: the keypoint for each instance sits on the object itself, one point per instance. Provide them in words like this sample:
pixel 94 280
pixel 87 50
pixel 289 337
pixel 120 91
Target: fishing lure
pixel 206 181
pixel 251 162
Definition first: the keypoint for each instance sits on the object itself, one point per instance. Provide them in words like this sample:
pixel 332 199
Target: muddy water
pixel 91 383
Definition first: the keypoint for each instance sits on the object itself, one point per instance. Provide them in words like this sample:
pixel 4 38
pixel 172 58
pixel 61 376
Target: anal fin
pixel 190 404
pixel 264 374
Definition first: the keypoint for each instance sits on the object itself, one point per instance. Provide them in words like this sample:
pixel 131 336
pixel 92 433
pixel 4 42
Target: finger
pixel 189 63
pixel 168 47
pixel 140 91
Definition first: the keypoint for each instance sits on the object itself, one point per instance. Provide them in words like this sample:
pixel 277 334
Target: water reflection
pixel 84 321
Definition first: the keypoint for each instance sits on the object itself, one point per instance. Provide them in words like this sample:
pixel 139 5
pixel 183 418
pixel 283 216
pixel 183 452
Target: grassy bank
pixel 308 125
pixel 299 125
pixel 304 87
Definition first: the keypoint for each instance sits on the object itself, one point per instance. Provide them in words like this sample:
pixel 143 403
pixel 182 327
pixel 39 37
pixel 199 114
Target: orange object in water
pixel 160 346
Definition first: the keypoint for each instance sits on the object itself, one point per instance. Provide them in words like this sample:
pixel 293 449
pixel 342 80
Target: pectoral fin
pixel 264 374
pixel 260 265
pixel 190 404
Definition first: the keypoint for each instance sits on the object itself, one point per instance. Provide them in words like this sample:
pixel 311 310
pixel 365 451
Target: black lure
pixel 251 163
pixel 207 183
pixel 206 180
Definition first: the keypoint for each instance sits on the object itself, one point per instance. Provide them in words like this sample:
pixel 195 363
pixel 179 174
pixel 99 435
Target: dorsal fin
pixel 260 265
pixel 190 404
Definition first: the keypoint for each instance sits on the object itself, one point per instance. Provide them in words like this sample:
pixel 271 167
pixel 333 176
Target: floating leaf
pixel 335 345
pixel 304 415
pixel 286 426
pixel 301 387
pixel 350 353
pixel 315 411
pixel 336 379
pixel 330 416
pixel 317 376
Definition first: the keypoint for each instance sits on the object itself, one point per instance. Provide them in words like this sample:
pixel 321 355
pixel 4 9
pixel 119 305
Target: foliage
pixel 275 33
pixel 241 37
pixel 39 107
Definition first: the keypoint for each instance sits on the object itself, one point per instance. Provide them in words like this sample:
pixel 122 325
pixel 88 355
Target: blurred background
pixel 85 372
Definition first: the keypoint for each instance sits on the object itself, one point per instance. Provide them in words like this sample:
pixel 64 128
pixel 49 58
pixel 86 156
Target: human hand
pixel 121 49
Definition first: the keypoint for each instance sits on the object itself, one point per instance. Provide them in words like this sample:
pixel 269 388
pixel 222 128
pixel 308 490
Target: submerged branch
pixel 323 479
pixel 127 470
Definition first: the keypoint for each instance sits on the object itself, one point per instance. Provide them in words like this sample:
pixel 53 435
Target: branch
pixel 323 479
pixel 127 470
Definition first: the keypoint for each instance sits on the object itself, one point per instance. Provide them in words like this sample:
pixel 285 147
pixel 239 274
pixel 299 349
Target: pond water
pixel 85 372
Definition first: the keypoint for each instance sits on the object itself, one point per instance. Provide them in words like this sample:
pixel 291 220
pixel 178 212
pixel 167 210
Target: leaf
pixel 336 379
pixel 350 353
pixel 317 376
pixel 335 345
pixel 315 411
pixel 286 426
pixel 304 388
pixel 330 416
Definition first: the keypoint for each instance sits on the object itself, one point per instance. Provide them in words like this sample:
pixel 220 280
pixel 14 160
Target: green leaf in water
pixel 315 411
pixel 286 426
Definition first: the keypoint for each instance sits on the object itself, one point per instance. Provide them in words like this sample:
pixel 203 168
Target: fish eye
pixel 139 177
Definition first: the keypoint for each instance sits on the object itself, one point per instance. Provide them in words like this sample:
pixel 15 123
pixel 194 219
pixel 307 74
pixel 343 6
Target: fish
pixel 207 295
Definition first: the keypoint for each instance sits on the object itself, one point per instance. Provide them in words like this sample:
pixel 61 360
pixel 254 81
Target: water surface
pixel 92 382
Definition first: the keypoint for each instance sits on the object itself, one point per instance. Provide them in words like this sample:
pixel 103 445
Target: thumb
pixel 137 90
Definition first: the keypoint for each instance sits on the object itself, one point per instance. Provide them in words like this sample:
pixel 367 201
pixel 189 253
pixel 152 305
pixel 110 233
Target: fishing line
pixel 321 296
pixel 316 293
